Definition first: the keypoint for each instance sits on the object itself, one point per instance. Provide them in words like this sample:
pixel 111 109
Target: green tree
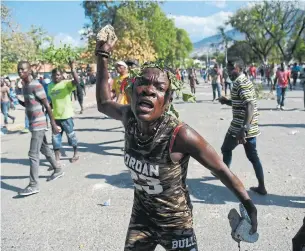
pixel 183 47
pixel 299 52
pixel 241 49
pixel 17 45
pixel 141 26
pixel 59 57
pixel 256 37
pixel 283 21
pixel 270 24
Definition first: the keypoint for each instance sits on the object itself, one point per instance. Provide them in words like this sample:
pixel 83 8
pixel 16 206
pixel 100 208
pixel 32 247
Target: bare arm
pixel 50 113
pixel 249 108
pixel 103 96
pixel 8 94
pixel 74 74
pixel 21 102
pixel 188 141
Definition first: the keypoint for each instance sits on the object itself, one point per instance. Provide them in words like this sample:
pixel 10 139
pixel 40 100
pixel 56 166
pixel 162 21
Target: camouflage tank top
pixel 160 189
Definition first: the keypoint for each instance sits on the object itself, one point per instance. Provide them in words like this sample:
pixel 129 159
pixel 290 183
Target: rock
pixel 222 119
pixel 293 132
pixel 287 218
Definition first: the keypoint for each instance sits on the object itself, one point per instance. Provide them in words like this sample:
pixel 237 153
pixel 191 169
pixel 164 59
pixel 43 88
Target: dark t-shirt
pixel 160 189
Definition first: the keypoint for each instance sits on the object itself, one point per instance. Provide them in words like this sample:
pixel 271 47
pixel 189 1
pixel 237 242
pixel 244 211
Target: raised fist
pixel 106 39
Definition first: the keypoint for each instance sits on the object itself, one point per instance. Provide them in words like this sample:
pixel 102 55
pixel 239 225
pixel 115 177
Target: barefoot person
pixel 244 126
pixel 157 151
pixel 60 92
pixel 34 100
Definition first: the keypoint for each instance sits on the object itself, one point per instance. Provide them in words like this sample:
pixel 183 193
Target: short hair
pixel 25 62
pixel 56 70
pixel 238 62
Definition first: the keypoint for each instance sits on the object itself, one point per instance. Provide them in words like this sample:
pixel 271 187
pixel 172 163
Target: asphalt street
pixel 68 213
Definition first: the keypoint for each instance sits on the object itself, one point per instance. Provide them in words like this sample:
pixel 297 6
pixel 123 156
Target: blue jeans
pixel 5 106
pixel 66 126
pixel 214 87
pixel 26 122
pixel 229 145
pixel 281 94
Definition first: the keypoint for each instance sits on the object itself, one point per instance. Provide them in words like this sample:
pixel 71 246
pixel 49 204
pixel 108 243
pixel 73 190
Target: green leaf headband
pixel 175 84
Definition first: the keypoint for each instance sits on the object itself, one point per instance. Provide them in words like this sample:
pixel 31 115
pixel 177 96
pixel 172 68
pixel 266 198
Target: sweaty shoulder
pixel 182 137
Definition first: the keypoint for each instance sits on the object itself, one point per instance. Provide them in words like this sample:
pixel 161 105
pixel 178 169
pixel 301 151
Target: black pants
pixel 229 145
pixel 227 84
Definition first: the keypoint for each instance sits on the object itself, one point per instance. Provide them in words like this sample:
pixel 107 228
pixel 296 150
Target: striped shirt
pixel 243 92
pixel 33 94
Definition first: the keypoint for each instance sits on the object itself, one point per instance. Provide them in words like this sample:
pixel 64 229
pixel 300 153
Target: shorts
pixel 66 126
pixel 143 235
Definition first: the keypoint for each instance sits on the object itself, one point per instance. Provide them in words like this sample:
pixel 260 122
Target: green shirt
pixel 60 95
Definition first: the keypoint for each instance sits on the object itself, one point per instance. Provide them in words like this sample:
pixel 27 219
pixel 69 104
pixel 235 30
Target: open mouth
pixel 145 105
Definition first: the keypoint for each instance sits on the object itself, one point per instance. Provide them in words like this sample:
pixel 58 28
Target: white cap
pixel 121 63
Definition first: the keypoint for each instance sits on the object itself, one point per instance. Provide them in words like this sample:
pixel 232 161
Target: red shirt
pixel 282 78
pixel 252 71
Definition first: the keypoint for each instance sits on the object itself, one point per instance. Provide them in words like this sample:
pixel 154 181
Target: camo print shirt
pixel 160 189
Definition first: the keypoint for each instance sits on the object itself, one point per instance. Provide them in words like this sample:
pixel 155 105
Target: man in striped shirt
pixel 244 126
pixel 35 100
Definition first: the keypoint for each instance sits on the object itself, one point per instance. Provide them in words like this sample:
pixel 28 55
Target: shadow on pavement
pixel 98 148
pixel 114 129
pixel 25 162
pixel 284 125
pixel 275 109
pixel 122 180
pixel 213 194
pixel 6 186
pixel 96 117
pixel 209 193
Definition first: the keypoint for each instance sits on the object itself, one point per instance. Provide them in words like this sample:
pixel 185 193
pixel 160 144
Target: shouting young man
pixel 34 100
pixel 157 151
pixel 244 126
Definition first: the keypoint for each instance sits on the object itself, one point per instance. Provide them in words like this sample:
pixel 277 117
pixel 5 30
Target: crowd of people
pixel 278 78
pixel 158 146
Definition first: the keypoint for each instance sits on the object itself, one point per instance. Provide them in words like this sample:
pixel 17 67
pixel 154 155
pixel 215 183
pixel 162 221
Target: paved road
pixel 68 214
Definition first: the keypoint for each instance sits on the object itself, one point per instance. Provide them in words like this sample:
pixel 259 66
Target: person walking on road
pixel 192 78
pixel 228 81
pixel 295 71
pixel 244 126
pixel 6 102
pixel 35 100
pixel 60 91
pixel 158 148
pixel 216 79
pixel 282 79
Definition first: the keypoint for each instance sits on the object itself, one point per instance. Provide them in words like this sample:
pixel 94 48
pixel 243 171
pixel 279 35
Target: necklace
pixel 145 142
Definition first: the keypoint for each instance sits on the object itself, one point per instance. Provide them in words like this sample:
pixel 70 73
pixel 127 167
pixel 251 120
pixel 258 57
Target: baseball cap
pixel 122 63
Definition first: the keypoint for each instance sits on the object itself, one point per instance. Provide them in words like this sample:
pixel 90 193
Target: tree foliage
pixel 270 24
pixel 17 45
pixel 242 49
pixel 59 57
pixel 143 30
